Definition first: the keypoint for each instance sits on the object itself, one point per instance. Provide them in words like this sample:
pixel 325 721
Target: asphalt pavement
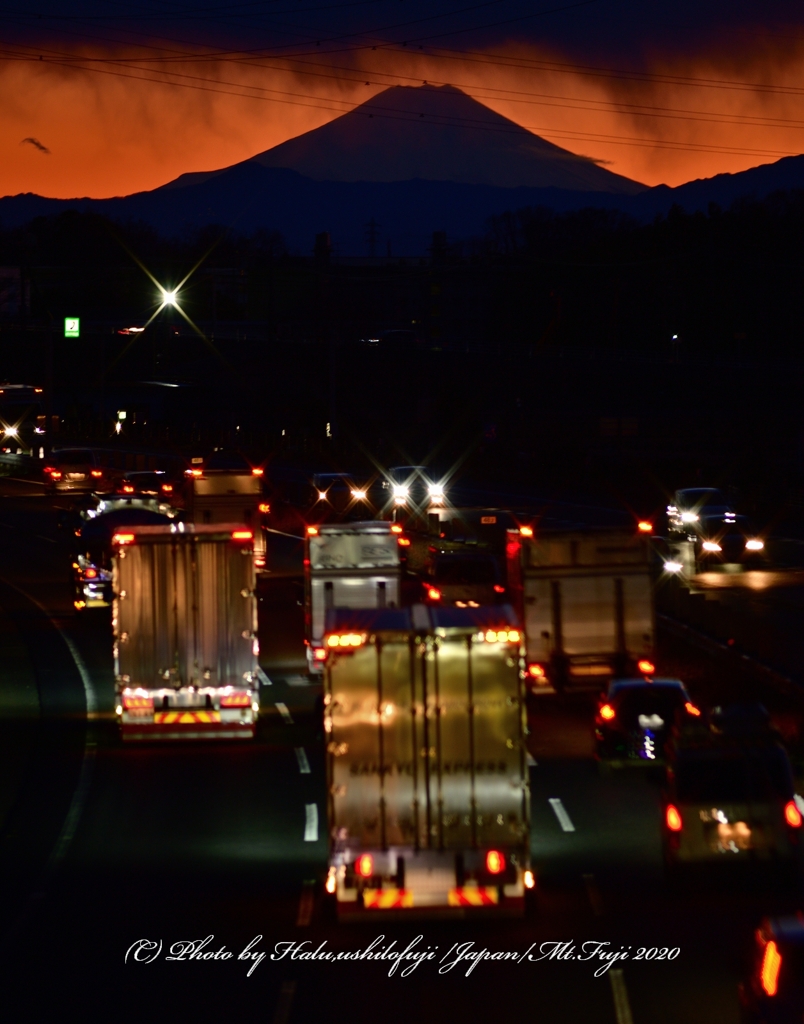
pixel 106 848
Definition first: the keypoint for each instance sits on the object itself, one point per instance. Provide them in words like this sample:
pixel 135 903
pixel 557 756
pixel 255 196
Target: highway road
pixel 102 846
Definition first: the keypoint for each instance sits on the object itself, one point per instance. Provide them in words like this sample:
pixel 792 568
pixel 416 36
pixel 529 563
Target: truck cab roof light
pixel 526 531
pixel 312 531
pixel 792 815
pixel 492 636
pixel 242 535
pixel 264 507
pixel 396 528
pixel 607 712
pixel 96 473
pixel 123 538
pixel 167 488
pixel 769 971
pixel 364 865
pixel 644 526
pixel 672 818
pixel 646 667
pixel 258 471
pixel 433 594
pixel 320 654
pixel 495 862
pixel 691 709
pixel 346 639
pixel 537 672
pixel 403 542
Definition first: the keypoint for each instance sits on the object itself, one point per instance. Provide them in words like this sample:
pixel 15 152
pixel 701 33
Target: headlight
pixel 754 545
pixel 710 545
pixel 400 491
pixel 673 566
pixel 359 495
pixel 322 495
pixel 689 517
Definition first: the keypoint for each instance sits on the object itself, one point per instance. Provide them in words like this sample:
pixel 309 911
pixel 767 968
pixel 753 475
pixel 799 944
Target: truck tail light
pixel 433 594
pixel 320 653
pixel 644 526
pixel 167 488
pixel 528 879
pixel 127 489
pixel 672 818
pixel 346 639
pixel 123 538
pixel 607 712
pixel 692 710
pixel 258 471
pixel 537 673
pixel 646 667
pixel 403 542
pixel 396 528
pixel 90 574
pixel 236 700
pixel 242 535
pixel 364 865
pixel 312 531
pixel 495 862
pixel 525 531
pixel 196 472
pixel 769 971
pixel 264 507
pixel 55 474
pixel 96 473
pixel 499 589
pixel 259 562
pixel 792 815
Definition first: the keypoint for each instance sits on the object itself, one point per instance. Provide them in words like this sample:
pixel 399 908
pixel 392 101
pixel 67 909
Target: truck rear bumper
pixel 192 730
pixel 351 911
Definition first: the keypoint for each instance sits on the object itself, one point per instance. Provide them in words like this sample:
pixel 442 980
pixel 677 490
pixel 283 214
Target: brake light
pixel 264 506
pixel 646 667
pixel 364 865
pixel 644 526
pixel 127 489
pixel 47 469
pixel 526 531
pixel 242 535
pixel 257 471
pixel 90 574
pixel 499 589
pixel 312 531
pixel 792 815
pixel 673 818
pixel 495 862
pixel 167 488
pixel 96 473
pixel 123 538
pixel 607 712
pixel 403 542
pixel 433 594
pixel 55 474
pixel 396 528
pixel 320 654
pixel 236 700
pixel 691 709
pixel 537 672
pixel 769 972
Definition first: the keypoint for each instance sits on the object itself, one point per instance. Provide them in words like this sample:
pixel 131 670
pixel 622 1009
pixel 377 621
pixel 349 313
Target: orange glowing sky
pixel 115 130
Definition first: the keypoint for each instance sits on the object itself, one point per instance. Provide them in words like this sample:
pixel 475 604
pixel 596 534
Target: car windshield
pixel 754 775
pixel 465 571
pixel 663 701
pixel 74 457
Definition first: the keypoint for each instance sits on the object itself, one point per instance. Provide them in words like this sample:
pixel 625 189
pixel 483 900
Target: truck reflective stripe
pixel 387 899
pixel 474 896
pixel 185 717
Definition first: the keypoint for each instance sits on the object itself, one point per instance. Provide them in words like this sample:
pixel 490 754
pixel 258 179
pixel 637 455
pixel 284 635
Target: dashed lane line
pixel 622 1007
pixel 301 757
pixel 306 904
pixel 560 812
pixel 311 823
pixel 282 708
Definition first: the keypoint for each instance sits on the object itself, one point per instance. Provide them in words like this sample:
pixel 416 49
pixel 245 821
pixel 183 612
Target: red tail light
pixel 433 594
pixel 403 542
pixel 644 526
pixel 96 473
pixel 123 538
pixel 672 818
pixel 771 965
pixel 364 865
pixel 127 489
pixel 236 700
pixel 312 531
pixel 537 672
pixel 55 474
pixel 90 574
pixel 691 709
pixel 495 862
pixel 792 815
pixel 646 667
pixel 196 472
pixel 264 506
pixel 396 528
pixel 167 488
pixel 320 654
pixel 498 589
pixel 242 535
pixel 607 712
pixel 257 471
pixel 526 531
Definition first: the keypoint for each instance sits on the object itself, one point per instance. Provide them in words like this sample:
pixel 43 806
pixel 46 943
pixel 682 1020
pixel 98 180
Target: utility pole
pixel 49 386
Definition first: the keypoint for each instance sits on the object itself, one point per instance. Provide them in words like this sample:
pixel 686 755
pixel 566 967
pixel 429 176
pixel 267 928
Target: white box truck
pixel 585 598
pixel 426 762
pixel 185 632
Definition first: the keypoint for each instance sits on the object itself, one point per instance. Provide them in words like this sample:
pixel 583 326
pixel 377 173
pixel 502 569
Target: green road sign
pixel 72 327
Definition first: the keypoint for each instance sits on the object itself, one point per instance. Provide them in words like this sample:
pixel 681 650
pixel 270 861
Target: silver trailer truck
pixel 426 762
pixel 230 496
pixel 185 632
pixel 352 565
pixel 586 602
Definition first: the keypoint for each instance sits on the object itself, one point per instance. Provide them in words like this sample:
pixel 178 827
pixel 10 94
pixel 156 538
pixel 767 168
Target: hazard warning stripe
pixel 387 899
pixel 474 896
pixel 185 717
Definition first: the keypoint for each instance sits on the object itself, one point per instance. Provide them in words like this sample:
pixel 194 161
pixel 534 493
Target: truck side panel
pixel 354 590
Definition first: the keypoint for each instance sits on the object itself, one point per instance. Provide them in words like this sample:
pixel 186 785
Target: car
pixel 463 579
pixel 728 538
pixel 153 483
pixel 690 503
pixel 74 469
pixel 773 990
pixel 340 496
pixel 635 717
pixel 414 488
pixel 729 794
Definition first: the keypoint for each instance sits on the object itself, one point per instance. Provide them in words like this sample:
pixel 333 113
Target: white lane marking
pixel 301 757
pixel 593 892
pixel 262 677
pixel 283 711
pixel 306 904
pixel 564 819
pixel 531 762
pixel 284 1003
pixel 622 1008
pixel 311 823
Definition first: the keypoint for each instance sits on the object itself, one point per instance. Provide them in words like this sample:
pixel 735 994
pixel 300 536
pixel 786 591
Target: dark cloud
pixel 36 143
